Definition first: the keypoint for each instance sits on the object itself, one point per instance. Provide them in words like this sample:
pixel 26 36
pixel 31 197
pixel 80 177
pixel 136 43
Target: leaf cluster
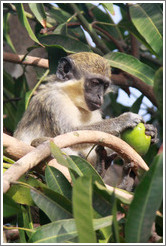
pixel 86 211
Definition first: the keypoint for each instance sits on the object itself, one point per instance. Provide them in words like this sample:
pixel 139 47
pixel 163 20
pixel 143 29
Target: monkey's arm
pixel 115 125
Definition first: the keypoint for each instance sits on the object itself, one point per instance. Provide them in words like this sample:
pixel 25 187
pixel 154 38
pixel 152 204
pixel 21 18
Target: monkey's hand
pixel 127 120
pixel 150 130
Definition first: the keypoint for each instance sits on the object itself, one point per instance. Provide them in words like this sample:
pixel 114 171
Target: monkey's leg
pixel 128 177
pixel 103 160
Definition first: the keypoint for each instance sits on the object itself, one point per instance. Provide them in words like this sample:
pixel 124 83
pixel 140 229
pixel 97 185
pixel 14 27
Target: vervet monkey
pixel 71 100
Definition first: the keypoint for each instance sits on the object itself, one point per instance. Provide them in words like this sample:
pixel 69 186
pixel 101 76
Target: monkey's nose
pixel 100 97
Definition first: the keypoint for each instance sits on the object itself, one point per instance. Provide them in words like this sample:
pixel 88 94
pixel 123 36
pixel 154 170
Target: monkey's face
pixel 95 89
pixel 90 76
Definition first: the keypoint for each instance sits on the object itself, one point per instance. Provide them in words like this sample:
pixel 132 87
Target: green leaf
pixel 22 233
pixel 87 169
pixel 158 89
pixel 115 227
pixel 50 207
pixel 103 18
pixel 57 16
pixel 58 182
pixel 123 195
pixel 58 198
pixel 61 29
pixel 102 222
pixel 39 12
pixel 55 232
pixel 27 219
pixel 83 210
pixel 10 207
pixel 7 159
pixel 131 65
pixel 64 230
pixel 21 193
pixel 136 105
pixel 6 31
pixel 54 55
pixel 110 7
pixel 21 88
pixel 29 95
pixel 64 159
pixel 69 45
pixel 148 19
pixel 129 26
pixel 8 83
pixel 23 19
pixel 147 199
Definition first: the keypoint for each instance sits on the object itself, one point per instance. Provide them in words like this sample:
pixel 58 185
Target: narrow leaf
pixel 10 207
pixel 64 230
pixel 87 169
pixel 110 7
pixel 158 89
pixel 6 31
pixel 131 65
pixel 23 19
pixel 38 11
pixel 82 209
pixel 148 19
pixel 115 227
pixel 55 232
pixel 147 199
pixel 63 159
pixel 136 105
pixel 58 182
pixel 21 193
pixel 124 196
pixel 50 207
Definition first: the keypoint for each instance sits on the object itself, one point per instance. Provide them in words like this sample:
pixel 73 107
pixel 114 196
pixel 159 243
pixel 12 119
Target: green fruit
pixel 137 139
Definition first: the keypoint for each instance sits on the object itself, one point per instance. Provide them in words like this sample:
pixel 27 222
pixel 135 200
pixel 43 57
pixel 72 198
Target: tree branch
pixel 124 80
pixel 29 60
pixel 118 79
pixel 119 47
pixel 36 155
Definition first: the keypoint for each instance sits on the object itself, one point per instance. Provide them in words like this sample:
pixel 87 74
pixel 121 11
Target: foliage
pixel 86 211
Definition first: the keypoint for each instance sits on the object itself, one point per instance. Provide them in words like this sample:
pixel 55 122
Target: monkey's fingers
pixel 150 130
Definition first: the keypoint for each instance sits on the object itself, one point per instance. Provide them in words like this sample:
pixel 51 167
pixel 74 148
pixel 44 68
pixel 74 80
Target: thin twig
pixel 125 79
pixel 100 44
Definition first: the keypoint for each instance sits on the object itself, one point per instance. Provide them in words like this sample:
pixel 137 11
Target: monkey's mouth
pixel 94 105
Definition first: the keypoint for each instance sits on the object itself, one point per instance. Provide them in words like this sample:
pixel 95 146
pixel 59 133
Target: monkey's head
pixel 90 75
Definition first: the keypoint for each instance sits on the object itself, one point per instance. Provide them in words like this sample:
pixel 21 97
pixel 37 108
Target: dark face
pixel 96 82
pixel 95 89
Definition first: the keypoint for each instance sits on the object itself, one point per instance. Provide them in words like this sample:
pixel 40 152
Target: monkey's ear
pixel 64 69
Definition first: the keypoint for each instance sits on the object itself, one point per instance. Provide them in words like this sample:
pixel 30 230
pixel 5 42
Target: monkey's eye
pixel 106 85
pixel 67 68
pixel 95 81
